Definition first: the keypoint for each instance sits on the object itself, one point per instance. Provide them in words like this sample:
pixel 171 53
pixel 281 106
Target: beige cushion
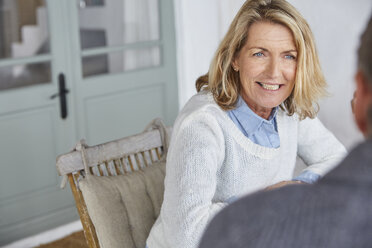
pixel 124 208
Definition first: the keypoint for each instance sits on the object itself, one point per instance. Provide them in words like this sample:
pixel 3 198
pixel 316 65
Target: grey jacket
pixel 336 212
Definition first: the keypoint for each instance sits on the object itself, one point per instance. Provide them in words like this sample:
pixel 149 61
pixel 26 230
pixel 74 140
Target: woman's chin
pixel 270 104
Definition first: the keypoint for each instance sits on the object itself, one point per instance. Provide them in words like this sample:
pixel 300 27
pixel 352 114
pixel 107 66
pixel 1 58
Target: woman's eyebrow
pixel 265 49
pixel 259 48
pixel 291 51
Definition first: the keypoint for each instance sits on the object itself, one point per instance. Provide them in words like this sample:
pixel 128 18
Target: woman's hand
pixel 281 184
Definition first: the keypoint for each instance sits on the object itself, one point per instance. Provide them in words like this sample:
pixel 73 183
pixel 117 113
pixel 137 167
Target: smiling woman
pixel 224 83
pixel 266 66
pixel 254 113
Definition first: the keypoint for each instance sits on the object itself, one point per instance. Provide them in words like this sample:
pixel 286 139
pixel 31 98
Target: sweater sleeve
pixel 195 154
pixel 317 147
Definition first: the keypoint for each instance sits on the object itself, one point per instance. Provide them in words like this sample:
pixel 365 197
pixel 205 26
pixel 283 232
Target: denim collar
pixel 249 120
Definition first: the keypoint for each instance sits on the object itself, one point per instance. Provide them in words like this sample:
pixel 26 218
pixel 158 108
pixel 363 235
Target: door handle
pixel 62 95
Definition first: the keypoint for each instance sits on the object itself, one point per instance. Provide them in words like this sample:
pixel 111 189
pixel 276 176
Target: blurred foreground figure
pixel 336 212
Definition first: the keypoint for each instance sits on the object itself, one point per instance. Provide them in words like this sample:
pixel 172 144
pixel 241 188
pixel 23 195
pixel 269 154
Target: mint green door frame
pixel 100 108
pixel 116 105
pixel 32 134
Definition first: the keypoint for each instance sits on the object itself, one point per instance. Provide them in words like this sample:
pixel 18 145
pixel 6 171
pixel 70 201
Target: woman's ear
pixel 362 101
pixel 235 64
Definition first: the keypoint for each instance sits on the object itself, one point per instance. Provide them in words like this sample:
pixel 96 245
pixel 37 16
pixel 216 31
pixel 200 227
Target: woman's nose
pixel 273 68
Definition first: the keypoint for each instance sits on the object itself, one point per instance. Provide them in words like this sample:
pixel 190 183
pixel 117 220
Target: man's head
pixel 363 78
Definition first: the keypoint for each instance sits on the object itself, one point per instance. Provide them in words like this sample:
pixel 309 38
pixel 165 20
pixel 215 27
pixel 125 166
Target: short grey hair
pixel 365 64
pixel 369 133
pixel 365 52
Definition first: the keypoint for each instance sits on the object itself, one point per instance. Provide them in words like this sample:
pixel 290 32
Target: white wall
pixel 197 32
pixel 200 25
pixel 336 24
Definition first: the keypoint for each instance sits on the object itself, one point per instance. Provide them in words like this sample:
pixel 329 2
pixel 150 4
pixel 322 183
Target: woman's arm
pixel 195 155
pixel 317 147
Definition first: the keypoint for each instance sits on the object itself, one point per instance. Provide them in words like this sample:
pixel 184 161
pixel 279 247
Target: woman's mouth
pixel 269 86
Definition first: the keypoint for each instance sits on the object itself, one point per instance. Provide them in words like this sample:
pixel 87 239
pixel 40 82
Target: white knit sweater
pixel 210 162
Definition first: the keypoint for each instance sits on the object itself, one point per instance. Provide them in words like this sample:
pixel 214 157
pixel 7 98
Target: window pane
pixel 24 75
pixel 118 22
pixel 23 28
pixel 85 3
pixel 117 62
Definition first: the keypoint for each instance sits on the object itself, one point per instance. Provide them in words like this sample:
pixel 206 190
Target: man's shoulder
pixel 266 206
pixel 247 220
pixel 355 169
pixel 273 200
pixel 291 215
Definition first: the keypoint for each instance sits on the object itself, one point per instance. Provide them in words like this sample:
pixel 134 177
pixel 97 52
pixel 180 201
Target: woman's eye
pixel 290 57
pixel 259 54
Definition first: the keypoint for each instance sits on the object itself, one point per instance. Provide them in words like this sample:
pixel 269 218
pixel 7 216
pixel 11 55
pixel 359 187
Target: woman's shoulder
pixel 201 108
pixel 202 102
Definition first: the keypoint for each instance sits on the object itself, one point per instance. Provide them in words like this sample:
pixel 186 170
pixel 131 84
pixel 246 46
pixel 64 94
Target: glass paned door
pixel 118 22
pixel 24 32
pixel 33 53
pixel 19 20
pixel 116 80
pixel 126 74
pixel 119 36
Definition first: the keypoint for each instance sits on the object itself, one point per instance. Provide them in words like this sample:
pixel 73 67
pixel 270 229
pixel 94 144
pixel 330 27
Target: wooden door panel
pixel 122 93
pixel 122 114
pixel 138 80
pixel 27 151
pixel 32 133
pixel 30 197
pixel 32 206
pixel 29 225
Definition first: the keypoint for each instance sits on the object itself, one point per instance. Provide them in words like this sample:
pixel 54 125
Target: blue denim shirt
pixel 259 130
pixel 262 132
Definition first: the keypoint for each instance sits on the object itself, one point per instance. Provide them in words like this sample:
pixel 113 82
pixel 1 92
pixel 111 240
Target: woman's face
pixel 267 66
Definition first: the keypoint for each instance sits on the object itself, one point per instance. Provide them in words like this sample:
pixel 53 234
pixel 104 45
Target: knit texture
pixel 210 161
pixel 336 212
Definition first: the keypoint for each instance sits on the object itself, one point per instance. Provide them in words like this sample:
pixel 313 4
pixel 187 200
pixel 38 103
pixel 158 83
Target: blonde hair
pixel 224 82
